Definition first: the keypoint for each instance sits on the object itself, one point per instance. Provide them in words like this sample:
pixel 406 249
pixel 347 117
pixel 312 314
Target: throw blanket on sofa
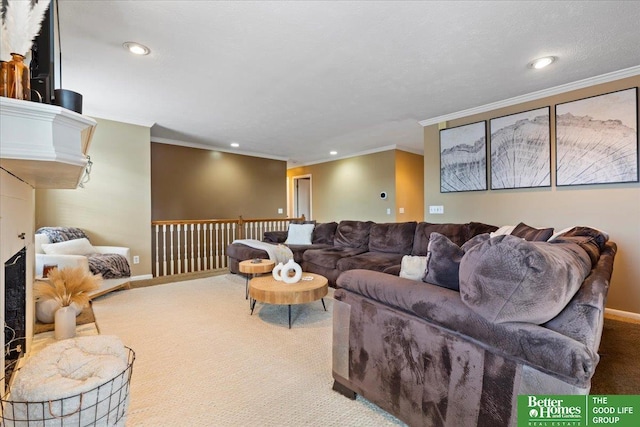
pixel 111 266
pixel 277 253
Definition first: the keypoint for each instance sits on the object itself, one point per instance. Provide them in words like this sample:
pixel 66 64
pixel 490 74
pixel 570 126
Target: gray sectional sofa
pixel 491 318
pixel 349 245
pixel 527 319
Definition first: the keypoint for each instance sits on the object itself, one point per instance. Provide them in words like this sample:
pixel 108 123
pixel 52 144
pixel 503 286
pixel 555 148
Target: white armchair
pixel 62 261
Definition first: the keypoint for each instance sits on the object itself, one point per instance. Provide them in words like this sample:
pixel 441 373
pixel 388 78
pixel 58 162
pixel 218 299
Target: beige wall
pixel 114 208
pixel 350 188
pixel 190 184
pixel 409 186
pixel 613 207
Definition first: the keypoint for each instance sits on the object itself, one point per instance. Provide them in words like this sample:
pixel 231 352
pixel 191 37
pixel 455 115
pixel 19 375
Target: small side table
pixel 253 268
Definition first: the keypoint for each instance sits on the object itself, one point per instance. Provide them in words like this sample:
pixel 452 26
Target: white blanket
pixel 277 253
pixel 66 375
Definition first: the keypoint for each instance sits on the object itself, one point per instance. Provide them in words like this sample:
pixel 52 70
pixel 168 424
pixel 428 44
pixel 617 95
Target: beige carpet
pixel 202 360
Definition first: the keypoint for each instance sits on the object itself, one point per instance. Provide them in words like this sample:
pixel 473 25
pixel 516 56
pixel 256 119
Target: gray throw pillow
pixel 507 279
pixel 443 259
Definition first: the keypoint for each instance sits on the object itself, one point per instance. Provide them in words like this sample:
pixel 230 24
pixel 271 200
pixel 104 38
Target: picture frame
pixel 520 148
pixel 463 158
pixel 597 139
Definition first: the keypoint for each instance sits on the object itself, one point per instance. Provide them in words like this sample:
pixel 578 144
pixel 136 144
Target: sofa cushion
pixel 457 233
pixel 508 279
pixel 352 234
pixel 329 257
pixel 443 259
pixel 275 236
pixel 376 261
pixel 324 233
pixel 476 228
pixel 532 234
pixel 69 247
pixel 393 237
pixel 299 234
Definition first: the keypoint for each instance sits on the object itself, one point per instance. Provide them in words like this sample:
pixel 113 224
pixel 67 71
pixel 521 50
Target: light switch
pixel 436 209
pixel 388 211
pixel 280 210
pixel 401 210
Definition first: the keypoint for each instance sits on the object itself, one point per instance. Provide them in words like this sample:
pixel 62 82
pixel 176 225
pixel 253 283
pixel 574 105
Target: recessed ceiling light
pixel 235 145
pixel 542 62
pixel 136 48
pixel 333 153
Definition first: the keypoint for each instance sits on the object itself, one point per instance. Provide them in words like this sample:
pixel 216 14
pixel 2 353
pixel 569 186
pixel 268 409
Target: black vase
pixel 68 99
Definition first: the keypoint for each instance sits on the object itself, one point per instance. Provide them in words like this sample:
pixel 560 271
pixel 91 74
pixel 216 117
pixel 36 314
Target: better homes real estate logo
pixel 552 410
pixel 578 411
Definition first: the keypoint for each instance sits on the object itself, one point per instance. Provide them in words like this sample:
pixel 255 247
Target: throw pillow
pixel 299 234
pixel 413 267
pixel 508 279
pixel 505 229
pixel 70 247
pixel 532 234
pixel 443 259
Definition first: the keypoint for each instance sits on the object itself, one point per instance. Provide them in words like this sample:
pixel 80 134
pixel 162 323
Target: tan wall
pixel 190 183
pixel 409 186
pixel 350 188
pixel 613 207
pixel 114 208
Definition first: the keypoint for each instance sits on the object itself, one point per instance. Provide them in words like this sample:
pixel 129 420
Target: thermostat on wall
pixel 383 195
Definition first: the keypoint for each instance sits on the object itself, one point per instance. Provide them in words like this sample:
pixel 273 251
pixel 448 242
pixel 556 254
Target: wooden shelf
pixel 44 145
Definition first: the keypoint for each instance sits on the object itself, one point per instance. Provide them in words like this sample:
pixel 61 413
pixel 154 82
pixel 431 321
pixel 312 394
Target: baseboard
pixel 142 277
pixel 621 313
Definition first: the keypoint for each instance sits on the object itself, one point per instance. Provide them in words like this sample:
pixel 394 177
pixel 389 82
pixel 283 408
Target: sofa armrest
pixel 61 261
pixel 119 250
pixel 545 349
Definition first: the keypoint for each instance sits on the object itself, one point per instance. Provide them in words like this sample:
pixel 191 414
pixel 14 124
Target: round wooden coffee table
pixel 268 290
pixel 251 267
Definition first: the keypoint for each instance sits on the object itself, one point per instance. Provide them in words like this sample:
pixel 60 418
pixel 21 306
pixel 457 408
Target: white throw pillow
pixel 299 234
pixel 70 247
pixel 413 267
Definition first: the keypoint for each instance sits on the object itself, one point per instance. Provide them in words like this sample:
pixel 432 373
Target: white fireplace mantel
pixel 44 145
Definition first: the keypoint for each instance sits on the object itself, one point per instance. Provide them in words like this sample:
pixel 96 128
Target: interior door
pixel 302 196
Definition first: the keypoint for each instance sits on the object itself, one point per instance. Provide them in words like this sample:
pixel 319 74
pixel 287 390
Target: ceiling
pixel 294 80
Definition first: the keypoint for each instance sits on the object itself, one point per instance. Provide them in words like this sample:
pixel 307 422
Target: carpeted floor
pixel 618 371
pixel 203 360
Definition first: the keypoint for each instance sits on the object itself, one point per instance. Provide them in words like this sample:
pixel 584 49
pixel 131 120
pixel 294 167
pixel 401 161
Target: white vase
pixel 46 310
pixel 65 323
pixel 276 272
pixel 297 272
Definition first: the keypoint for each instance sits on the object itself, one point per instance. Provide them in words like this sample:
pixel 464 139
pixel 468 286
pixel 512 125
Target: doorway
pixel 302 196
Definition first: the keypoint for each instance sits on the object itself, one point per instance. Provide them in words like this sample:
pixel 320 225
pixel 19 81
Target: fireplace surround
pixel 15 313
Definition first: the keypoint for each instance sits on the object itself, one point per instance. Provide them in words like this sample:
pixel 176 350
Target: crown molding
pixel 212 148
pixel 359 153
pixel 533 96
pixel 127 120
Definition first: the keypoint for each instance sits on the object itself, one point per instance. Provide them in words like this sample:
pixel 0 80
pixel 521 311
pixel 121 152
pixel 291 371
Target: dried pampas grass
pixel 68 285
pixel 21 24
